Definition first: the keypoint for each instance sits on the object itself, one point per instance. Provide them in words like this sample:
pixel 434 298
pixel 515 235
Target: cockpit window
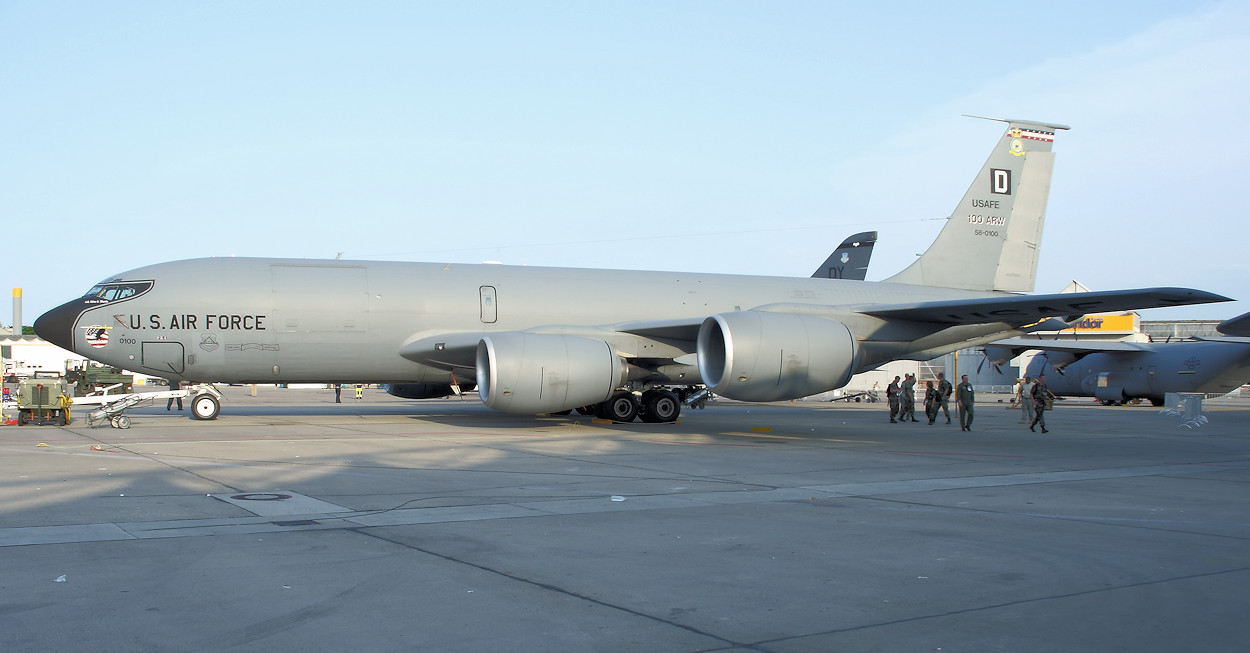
pixel 111 292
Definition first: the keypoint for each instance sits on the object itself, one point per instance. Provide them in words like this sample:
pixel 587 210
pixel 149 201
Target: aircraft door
pixel 490 312
pixel 1152 379
pixel 165 357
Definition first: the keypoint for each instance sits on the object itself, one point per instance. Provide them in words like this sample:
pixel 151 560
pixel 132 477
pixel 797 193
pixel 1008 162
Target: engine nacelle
pixel 527 373
pixel 998 355
pixel 760 356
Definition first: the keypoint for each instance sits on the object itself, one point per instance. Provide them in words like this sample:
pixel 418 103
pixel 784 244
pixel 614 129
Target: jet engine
pixel 760 356
pixel 527 373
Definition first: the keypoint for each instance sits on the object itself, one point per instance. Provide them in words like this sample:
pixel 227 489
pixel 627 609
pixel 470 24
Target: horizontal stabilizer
pixel 1024 309
pixel 1236 340
pixel 1236 326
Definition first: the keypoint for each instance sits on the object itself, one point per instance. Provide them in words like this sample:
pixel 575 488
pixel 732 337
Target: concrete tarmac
pixel 381 524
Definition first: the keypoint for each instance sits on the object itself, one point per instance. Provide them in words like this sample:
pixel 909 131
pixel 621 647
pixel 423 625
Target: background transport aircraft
pixel 1116 372
pixel 541 340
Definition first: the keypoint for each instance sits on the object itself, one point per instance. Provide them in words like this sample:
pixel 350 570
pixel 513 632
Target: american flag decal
pixel 97 336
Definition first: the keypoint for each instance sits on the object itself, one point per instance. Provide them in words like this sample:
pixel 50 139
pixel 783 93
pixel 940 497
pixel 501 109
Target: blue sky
pixel 736 137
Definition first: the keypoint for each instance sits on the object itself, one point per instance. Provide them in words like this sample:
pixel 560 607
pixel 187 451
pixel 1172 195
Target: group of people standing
pixel 902 398
pixel 1035 399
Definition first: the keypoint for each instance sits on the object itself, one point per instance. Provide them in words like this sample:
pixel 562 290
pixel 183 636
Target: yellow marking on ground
pixel 761 429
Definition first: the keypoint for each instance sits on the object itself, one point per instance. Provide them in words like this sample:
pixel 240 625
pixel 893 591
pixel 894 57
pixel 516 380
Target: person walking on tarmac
pixel 338 393
pixel 1026 400
pixel 174 385
pixel 1042 398
pixel 965 396
pixel 891 394
pixel 945 389
pixel 932 401
pixel 360 391
pixel 909 399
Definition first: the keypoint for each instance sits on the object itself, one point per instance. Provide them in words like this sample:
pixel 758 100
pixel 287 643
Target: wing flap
pixel 1073 346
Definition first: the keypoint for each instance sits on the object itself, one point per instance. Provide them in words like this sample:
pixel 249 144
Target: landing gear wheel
pixel 1157 402
pixel 123 422
pixel 620 407
pixel 113 421
pixel 205 406
pixel 660 406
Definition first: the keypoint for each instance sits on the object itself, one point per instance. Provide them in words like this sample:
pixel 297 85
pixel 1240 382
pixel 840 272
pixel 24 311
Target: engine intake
pixel 527 373
pixel 760 356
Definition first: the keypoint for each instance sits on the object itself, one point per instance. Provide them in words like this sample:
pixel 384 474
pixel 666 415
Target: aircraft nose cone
pixel 57 325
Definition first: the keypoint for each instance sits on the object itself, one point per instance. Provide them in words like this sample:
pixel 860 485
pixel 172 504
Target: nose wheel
pixel 205 406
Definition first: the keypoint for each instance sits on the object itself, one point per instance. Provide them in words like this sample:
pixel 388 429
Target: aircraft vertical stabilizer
pixel 991 241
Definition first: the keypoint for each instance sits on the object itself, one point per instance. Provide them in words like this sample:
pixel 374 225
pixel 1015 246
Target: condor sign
pixel 1107 324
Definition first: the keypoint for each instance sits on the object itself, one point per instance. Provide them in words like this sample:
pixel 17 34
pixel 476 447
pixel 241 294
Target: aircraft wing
pixel 635 340
pixel 1023 309
pixel 459 350
pixel 684 329
pixel 446 351
pixel 1073 346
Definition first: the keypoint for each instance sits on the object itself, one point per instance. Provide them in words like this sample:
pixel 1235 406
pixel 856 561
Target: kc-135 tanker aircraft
pixel 625 343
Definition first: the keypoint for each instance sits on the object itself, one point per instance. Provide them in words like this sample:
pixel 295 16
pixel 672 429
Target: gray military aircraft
pixel 540 340
pixel 1117 372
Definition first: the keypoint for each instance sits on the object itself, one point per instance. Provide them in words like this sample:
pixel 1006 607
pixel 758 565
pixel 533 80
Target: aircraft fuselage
pixel 255 320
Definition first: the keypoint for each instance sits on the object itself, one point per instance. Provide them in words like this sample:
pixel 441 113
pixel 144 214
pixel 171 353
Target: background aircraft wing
pixel 1024 309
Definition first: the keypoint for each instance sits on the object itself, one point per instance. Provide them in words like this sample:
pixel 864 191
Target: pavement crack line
pixel 1124 522
pixel 996 606
pixel 547 587
pixel 149 458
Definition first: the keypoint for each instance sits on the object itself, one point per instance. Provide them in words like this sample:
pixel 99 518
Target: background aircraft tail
pixel 992 239
pixel 850 259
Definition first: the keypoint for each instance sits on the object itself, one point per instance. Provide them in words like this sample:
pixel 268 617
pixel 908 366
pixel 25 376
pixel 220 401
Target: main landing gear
pixel 655 406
